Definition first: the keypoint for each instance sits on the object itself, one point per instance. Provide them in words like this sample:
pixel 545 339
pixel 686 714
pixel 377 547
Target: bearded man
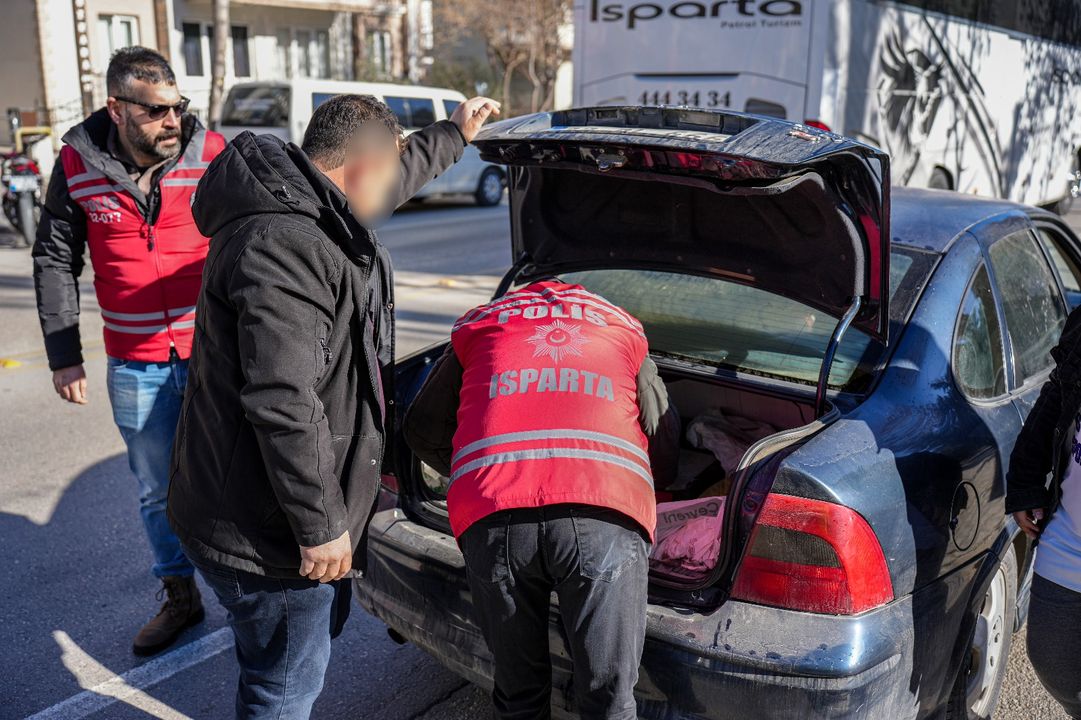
pixel 123 189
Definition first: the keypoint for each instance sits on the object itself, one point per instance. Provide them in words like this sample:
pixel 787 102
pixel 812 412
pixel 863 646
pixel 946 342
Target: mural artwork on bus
pixel 929 97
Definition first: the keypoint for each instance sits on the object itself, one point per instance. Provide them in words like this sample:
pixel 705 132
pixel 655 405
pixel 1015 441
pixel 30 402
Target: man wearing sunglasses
pixel 123 190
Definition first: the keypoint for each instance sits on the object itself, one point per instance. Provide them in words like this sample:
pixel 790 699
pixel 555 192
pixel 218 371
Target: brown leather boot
pixel 183 608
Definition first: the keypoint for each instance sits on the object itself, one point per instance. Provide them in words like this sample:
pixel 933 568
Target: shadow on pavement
pixel 74 591
pixel 84 573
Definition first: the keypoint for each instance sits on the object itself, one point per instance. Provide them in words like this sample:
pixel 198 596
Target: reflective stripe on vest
pixel 497 454
pixel 548 409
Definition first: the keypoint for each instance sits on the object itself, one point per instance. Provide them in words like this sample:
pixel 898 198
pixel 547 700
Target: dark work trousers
pixel 1054 636
pixel 596 561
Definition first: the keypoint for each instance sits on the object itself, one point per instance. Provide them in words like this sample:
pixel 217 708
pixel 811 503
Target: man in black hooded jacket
pixel 280 442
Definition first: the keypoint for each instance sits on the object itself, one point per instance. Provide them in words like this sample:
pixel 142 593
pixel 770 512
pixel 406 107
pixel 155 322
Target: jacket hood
pixel 261 174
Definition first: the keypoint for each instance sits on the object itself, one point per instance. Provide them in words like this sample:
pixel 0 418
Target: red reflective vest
pixel 147 276
pixel 549 407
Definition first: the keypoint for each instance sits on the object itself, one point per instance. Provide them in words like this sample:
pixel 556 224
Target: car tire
pixel 979 680
pixel 940 180
pixel 490 187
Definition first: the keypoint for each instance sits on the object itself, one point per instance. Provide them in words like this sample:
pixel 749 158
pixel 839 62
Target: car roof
pixel 931 219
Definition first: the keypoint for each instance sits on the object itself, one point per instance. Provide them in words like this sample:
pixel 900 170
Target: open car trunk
pixel 726 427
pixel 786 219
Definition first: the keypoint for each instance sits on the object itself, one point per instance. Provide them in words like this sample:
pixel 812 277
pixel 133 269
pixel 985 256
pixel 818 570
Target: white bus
pixel 283 108
pixel 980 96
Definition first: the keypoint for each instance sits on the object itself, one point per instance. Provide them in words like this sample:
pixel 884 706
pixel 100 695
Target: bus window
pixel 257 106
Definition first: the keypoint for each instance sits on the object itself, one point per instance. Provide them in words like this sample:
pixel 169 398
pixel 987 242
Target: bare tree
pixel 520 38
pixel 217 63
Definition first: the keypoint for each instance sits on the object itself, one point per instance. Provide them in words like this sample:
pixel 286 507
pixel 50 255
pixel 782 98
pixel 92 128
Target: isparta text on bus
pixel 641 12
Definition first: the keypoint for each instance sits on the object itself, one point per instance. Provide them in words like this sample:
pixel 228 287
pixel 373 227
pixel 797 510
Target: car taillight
pixel 817 124
pixel 813 556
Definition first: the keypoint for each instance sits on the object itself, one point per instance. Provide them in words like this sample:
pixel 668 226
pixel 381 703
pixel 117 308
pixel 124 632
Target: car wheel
pixel 940 180
pixel 489 188
pixel 979 682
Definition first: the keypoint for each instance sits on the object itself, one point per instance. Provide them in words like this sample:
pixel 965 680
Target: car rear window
pixel 259 106
pixel 725 324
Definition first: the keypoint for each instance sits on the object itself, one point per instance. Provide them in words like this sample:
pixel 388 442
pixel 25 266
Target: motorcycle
pixel 21 179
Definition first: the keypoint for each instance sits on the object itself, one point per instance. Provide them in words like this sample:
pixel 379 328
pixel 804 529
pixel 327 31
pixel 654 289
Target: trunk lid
pixel 790 209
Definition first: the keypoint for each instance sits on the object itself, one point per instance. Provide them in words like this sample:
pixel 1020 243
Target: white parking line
pixel 127 688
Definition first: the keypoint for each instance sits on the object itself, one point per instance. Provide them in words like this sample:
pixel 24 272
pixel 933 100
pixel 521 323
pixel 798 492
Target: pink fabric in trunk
pixel 688 536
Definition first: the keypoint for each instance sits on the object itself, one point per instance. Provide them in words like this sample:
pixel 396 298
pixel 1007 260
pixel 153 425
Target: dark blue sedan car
pixel 892 342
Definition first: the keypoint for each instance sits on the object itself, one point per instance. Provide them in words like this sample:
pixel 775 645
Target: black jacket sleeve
pixel 58 253
pixel 1033 453
pixel 281 289
pixel 428 153
pixel 432 417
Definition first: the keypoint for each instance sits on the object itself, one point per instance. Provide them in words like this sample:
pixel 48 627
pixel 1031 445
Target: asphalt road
pixel 75 584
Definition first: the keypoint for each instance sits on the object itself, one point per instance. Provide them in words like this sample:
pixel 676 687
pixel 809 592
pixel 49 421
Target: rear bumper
pixel 740 661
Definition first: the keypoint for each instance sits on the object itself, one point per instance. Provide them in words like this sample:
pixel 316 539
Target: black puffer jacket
pixel 281 435
pixel 1043 444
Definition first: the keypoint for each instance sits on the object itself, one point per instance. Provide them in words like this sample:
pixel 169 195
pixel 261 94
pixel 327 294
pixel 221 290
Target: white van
pixel 283 108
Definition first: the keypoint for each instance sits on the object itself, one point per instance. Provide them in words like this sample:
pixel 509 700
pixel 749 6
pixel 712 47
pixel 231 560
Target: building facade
pixel 56 51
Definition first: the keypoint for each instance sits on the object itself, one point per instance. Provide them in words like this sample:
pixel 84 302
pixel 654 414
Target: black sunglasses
pixel 157 112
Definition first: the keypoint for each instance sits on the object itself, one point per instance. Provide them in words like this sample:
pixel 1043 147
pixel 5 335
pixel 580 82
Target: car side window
pixel 977 346
pixel 318 98
pixel 421 112
pixel 449 106
pixel 1034 309
pixel 400 107
pixel 1068 270
pixel 412 113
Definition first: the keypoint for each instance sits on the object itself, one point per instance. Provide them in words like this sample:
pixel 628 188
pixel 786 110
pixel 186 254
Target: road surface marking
pixel 104 688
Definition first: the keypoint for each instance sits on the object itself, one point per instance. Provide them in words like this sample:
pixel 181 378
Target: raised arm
pixel 429 152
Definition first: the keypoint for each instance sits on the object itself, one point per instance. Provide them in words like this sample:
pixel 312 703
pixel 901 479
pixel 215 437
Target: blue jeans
pixel 283 630
pixel 146 399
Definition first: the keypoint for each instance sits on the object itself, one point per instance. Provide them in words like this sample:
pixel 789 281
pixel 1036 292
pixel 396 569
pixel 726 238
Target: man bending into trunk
pixel 559 424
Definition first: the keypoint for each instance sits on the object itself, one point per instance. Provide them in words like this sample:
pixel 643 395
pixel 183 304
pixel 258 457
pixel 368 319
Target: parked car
pixel 283 108
pixel 895 340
